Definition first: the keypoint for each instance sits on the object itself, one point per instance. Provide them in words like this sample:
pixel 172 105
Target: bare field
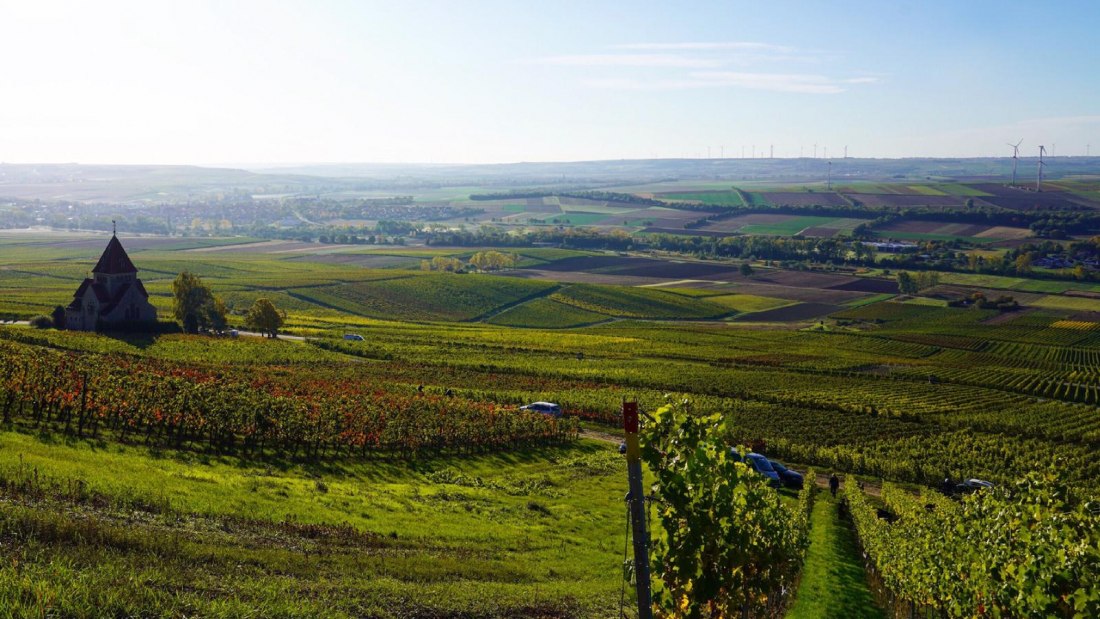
pixel 893 200
pixel 940 228
pixel 1024 199
pixel 801 279
pixel 838 297
pixel 867 284
pixel 791 313
pixel 805 198
pixel 581 277
pixel 733 224
pixel 1004 232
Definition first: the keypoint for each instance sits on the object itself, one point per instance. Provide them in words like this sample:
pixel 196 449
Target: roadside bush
pixel 41 322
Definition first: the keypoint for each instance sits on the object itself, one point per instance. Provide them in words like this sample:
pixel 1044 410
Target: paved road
pixel 282 336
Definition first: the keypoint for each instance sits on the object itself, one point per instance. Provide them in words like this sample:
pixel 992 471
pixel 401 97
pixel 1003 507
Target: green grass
pixel 437 296
pixel 959 189
pixel 1016 283
pixel 627 302
pixel 875 298
pixel 833 581
pixel 551 254
pixel 749 303
pixel 927 301
pixel 792 226
pixel 882 311
pixel 451 536
pixel 547 314
pixel 1080 304
pixel 578 218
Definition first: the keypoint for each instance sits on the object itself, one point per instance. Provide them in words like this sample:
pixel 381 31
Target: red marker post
pixel 637 508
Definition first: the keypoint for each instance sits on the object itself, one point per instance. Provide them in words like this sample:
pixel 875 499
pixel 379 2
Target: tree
pixel 746 269
pixel 492 260
pixel 444 263
pixel 58 316
pixel 195 305
pixel 41 322
pixel 1023 263
pixel 906 283
pixel 263 318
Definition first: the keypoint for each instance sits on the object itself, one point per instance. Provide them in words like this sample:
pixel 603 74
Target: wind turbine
pixel 1015 156
pixel 829 183
pixel 1039 179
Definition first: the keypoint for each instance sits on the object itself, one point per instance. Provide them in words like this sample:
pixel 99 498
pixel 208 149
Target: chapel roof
pixel 114 260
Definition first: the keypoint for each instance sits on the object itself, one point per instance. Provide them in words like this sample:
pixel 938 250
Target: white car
pixel 546 408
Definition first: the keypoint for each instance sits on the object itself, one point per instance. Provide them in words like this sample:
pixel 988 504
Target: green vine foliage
pixel 725 543
pixel 1027 550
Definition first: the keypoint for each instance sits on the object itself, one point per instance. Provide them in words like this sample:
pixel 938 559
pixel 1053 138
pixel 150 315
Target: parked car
pixel 951 488
pixel 760 464
pixel 790 479
pixel 546 408
pixel 763 466
pixel 354 337
pixel 973 485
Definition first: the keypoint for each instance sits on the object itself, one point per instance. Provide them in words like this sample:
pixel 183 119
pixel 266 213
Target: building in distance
pixel 113 298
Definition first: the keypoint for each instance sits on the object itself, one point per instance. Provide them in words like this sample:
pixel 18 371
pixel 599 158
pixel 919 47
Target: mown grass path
pixel 833 581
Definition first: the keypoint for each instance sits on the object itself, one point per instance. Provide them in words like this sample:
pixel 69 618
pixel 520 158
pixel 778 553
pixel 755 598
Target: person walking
pixel 834 484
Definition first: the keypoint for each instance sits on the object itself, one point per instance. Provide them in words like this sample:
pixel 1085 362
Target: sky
pixel 274 82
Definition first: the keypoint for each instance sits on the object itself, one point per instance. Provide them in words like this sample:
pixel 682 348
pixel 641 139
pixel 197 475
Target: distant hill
pixel 690 169
pixel 174 183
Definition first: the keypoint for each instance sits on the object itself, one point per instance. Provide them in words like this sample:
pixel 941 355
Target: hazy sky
pixel 408 81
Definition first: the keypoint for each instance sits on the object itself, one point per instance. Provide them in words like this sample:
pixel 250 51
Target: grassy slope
pixel 548 314
pixel 488 536
pixel 833 583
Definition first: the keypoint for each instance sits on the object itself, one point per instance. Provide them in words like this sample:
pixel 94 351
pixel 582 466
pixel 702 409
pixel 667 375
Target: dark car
pixel 546 408
pixel 790 479
pixel 968 486
pixel 761 465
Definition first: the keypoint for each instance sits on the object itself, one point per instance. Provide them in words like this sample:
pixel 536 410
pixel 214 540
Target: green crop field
pixel 1081 304
pixel 396 476
pixel 427 297
pixel 636 302
pixel 546 313
pixel 578 218
pixel 748 302
pixel 220 536
pixel 1017 283
pixel 793 226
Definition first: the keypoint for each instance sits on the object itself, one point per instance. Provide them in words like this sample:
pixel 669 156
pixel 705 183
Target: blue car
pixel 790 479
pixel 760 464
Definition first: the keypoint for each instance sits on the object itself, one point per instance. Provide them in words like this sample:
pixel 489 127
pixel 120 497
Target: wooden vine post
pixel 636 498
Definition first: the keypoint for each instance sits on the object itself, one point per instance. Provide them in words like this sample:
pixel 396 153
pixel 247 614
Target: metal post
pixel 637 509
